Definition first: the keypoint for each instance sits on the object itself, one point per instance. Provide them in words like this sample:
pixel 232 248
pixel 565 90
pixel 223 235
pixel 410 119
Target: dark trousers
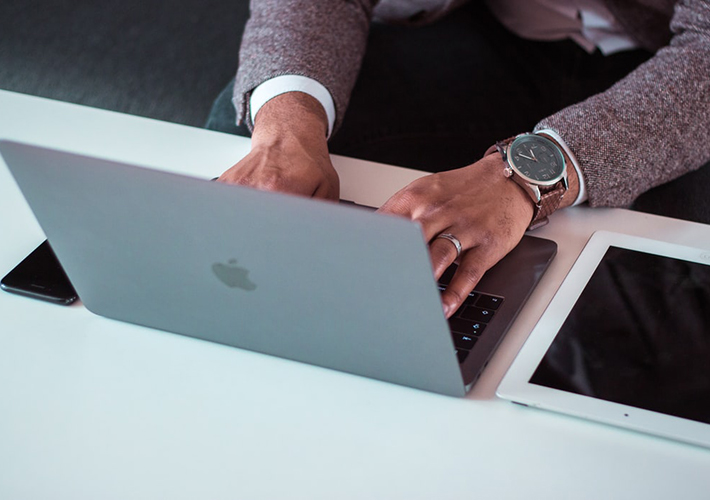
pixel 436 97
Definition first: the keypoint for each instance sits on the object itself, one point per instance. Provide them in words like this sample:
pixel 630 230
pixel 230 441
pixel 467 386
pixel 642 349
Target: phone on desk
pixel 40 276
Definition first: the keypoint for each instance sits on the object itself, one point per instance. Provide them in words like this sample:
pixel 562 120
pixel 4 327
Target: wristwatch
pixel 539 166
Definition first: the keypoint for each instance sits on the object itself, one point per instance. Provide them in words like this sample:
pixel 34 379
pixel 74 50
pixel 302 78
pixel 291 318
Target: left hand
pixel 289 150
pixel 486 211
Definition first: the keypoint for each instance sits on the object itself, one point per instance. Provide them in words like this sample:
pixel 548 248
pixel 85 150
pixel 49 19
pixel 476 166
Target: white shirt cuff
pixel 582 196
pixel 293 83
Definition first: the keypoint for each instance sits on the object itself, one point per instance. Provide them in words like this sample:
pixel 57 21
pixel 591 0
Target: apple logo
pixel 233 276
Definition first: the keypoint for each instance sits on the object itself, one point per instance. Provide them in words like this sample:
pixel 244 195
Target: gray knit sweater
pixel 649 128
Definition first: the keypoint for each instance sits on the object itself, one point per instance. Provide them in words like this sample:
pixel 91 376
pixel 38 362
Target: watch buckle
pixel 538 224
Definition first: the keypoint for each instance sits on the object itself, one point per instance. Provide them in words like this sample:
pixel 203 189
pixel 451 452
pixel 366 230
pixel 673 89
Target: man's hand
pixel 485 210
pixel 289 151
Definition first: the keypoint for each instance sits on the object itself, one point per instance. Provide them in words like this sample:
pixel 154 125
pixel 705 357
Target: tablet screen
pixel 638 335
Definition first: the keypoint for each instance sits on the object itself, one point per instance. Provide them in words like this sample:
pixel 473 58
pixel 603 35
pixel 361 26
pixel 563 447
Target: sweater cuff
pixel 582 195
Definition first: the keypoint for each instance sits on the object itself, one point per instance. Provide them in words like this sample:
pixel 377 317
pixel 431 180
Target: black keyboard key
pixel 477 314
pixel 463 341
pixel 466 327
pixel 489 302
pixel 477 327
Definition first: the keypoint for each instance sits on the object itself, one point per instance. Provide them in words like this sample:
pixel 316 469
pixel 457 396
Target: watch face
pixel 537 159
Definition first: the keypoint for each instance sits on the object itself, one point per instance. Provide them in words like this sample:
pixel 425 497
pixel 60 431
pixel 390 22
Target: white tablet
pixel 625 340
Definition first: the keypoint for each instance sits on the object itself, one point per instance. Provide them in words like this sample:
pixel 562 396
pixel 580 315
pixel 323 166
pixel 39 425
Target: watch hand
pixel 533 155
pixel 526 157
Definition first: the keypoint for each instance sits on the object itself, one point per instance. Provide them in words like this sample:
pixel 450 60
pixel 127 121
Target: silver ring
pixel 453 239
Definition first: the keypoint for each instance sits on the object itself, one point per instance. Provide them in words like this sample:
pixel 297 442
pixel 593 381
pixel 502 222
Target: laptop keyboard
pixel 469 323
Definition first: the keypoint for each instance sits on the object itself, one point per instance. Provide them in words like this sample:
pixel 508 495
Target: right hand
pixel 289 150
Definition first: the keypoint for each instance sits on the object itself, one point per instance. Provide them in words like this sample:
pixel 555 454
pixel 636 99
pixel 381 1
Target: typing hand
pixel 487 212
pixel 289 151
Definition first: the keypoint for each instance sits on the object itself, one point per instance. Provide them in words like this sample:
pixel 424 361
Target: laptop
pixel 625 341
pixel 311 281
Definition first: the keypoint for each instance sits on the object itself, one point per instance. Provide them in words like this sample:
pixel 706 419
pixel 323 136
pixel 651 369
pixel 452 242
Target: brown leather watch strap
pixel 550 199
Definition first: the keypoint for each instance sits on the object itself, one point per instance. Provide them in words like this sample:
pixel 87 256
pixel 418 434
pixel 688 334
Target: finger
pixel 398 204
pixel 327 191
pixel 228 177
pixel 431 221
pixel 414 200
pixel 471 269
pixel 443 253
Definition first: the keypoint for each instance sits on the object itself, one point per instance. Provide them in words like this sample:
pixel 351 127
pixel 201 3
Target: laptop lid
pixel 305 280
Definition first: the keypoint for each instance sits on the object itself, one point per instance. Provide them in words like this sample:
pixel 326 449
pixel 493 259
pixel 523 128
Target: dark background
pixel 164 59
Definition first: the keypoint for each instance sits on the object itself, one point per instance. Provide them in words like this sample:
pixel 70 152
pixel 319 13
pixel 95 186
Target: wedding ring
pixel 453 239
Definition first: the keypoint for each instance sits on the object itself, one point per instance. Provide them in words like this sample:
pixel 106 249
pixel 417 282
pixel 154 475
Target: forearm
pixel 321 39
pixel 652 126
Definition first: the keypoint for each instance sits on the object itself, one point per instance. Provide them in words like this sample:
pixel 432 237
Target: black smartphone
pixel 40 276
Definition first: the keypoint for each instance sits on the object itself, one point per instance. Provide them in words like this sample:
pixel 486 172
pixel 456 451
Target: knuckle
pixel 486 237
pixel 271 180
pixel 410 196
pixel 422 199
pixel 425 187
pixel 401 202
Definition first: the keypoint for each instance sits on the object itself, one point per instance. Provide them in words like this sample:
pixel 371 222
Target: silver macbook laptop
pixel 306 280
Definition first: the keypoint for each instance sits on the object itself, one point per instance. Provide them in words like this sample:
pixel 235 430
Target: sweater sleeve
pixel 321 39
pixel 652 126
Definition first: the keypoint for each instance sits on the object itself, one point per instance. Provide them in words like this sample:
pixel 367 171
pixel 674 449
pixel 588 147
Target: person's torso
pixel 644 22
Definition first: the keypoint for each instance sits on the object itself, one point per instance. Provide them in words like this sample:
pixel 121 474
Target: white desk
pixel 95 409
